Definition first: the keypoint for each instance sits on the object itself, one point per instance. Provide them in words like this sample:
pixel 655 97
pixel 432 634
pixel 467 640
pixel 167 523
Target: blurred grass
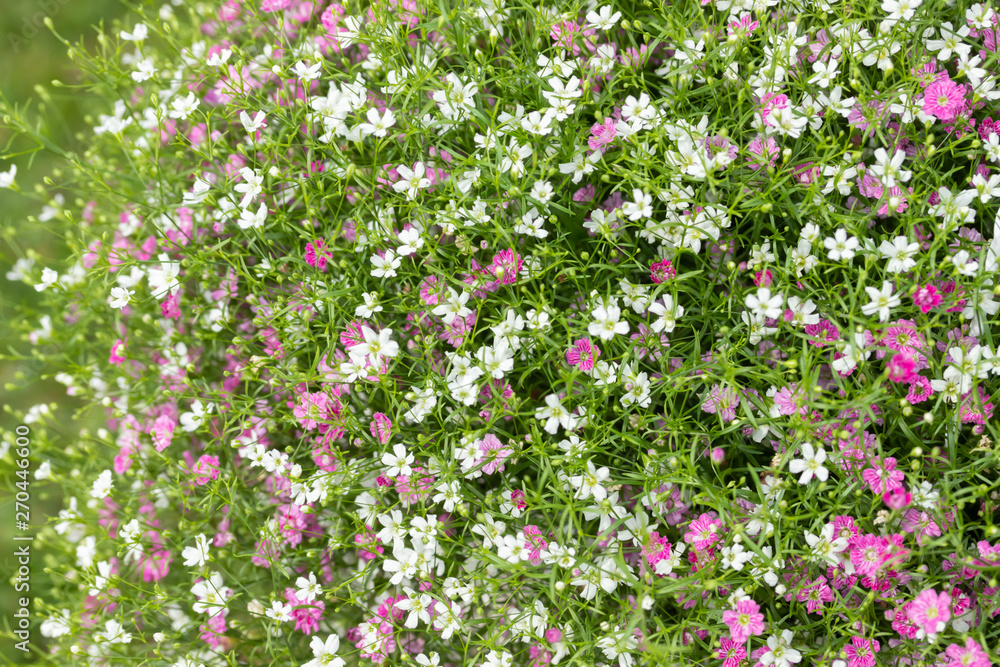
pixel 31 56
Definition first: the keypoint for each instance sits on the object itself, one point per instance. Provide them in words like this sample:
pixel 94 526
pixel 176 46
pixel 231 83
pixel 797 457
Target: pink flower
pixel 731 653
pixel 310 409
pixel 703 532
pixel 306 614
pixel 926 298
pixel 583 355
pixel 381 428
pixel 763 278
pixel 898 498
pixel 274 5
pixel 723 400
pixel 661 272
pixel 602 134
pixel 930 612
pixel 861 652
pixel 494 453
pixel 970 655
pixel 206 470
pixel 163 432
pixel 920 389
pixel 117 352
pixel 655 549
pixel 506 265
pixel 943 99
pixel 901 367
pixel 816 595
pixel 534 543
pixel 744 621
pixel 315 256
pixel 883 476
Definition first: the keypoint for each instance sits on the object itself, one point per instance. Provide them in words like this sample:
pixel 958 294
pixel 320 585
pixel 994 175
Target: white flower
pixel 251 186
pixel 195 556
pixel 454 306
pixel 7 177
pixel 619 645
pixel 307 73
pixel 604 20
pixel 840 246
pixel 166 279
pixel 825 73
pixel 899 253
pixel 253 220
pixel 49 278
pixel 888 170
pixel 211 595
pixel 325 653
pixel 190 421
pixel 607 322
pixel 120 297
pixel 370 306
pixel 182 108
pixel 398 462
pixel 780 653
pixel 377 125
pixel 810 465
pixel 114 633
pixel 308 589
pixel 881 301
pixel 591 483
pixel 824 546
pixel 139 33
pixel 554 415
pixel 251 125
pixel 412 181
pixel 144 70
pixel 385 266
pixel 56 626
pixel 964 367
pixel 763 305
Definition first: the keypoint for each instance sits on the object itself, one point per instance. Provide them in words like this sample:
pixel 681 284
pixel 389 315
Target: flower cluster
pixel 490 334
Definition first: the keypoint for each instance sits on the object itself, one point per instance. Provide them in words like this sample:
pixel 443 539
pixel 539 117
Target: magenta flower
pixel 882 476
pixel 655 550
pixel 661 272
pixel 723 400
pixel 206 470
pixel 117 352
pixel 703 532
pixel 920 390
pixel 861 652
pixel 731 653
pixel 943 99
pixel 306 614
pixel 901 367
pixel 493 453
pixel 970 655
pixel 602 134
pixel 162 432
pixel 926 298
pixel 315 256
pixel 381 428
pixel 930 612
pixel 583 355
pixel 506 265
pixel 744 621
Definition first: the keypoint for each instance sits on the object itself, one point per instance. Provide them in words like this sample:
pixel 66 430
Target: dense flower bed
pixel 489 334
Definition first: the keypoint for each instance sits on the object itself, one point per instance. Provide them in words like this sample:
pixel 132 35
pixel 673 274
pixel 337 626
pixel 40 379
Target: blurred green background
pixel 30 56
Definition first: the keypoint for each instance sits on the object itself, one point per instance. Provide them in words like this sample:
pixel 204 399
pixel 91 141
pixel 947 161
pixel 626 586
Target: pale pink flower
pixel 930 611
